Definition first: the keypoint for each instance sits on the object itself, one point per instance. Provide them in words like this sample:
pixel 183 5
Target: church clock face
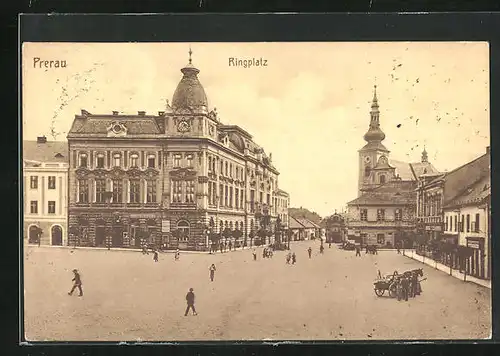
pixel 183 126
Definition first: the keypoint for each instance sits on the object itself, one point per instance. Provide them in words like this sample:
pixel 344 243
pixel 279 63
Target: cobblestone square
pixel 328 297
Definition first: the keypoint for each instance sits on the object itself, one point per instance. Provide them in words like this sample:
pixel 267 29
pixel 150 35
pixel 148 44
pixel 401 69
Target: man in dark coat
pixel 309 251
pixel 405 287
pixel 190 302
pixel 358 251
pixel 77 283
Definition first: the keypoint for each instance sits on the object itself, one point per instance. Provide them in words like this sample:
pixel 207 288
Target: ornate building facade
pixel 45 177
pixel 385 208
pixel 176 179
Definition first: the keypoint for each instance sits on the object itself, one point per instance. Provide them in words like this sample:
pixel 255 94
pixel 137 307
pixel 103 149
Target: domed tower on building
pixel 373 150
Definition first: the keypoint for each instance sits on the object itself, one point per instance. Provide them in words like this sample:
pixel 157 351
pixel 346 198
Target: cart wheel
pixel 393 291
pixel 379 292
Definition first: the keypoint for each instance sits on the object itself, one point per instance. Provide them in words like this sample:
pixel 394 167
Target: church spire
pixel 424 156
pixel 374 133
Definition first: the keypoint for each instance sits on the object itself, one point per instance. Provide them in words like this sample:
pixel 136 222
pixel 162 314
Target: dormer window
pixel 83 160
pixel 134 157
pixel 117 160
pixel 100 160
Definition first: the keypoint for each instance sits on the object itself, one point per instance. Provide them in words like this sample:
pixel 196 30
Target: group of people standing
pixel 407 284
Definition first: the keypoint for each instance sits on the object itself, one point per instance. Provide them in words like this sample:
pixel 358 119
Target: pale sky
pixel 310 106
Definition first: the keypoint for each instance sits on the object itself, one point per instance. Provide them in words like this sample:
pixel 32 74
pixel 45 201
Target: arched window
pixel 382 179
pixel 183 227
pixel 367 171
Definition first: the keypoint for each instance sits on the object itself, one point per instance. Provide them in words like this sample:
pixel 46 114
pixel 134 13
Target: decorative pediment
pixel 99 172
pixel 117 171
pixel 82 171
pixel 151 172
pixel 134 172
pixel 183 173
pixel 117 129
pixel 202 179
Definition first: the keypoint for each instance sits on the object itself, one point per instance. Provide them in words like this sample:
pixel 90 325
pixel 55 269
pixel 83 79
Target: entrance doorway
pixel 100 233
pixel 56 234
pixel 117 237
pixel 33 234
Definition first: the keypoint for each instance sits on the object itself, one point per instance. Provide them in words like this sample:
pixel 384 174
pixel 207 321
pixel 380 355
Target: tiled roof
pixel 391 193
pixel 307 223
pixel 294 224
pixel 403 169
pixel 50 151
pixel 136 125
pixel 420 168
pixel 465 176
pixel 475 193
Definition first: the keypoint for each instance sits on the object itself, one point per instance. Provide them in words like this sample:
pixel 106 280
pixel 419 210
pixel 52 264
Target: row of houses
pixel 447 215
pixel 302 229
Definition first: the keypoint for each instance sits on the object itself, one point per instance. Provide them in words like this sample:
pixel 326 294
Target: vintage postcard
pixel 256 191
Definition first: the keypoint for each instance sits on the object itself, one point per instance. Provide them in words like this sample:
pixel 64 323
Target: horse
pixel 371 249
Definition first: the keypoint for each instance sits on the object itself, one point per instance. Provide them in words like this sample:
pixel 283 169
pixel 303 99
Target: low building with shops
pixel 335 228
pixel 180 178
pixel 467 222
pixel 298 231
pixel 45 198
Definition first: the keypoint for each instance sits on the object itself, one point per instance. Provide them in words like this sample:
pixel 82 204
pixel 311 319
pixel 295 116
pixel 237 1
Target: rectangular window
pixel 52 182
pixel 364 214
pixel 455 223
pixel 176 191
pixel 83 160
pixel 261 197
pixel 231 170
pixel 117 160
pixel 190 191
pixel 34 207
pixel 381 238
pixel 177 161
pixel 380 214
pixel 468 223
pixel 446 224
pixel 476 225
pixel 268 199
pixel 52 207
pixel 189 159
pixel 135 191
pixel 151 162
pixel 151 191
pixel 100 161
pixel 252 200
pixel 134 158
pixel 83 191
pixel 221 194
pixel 462 224
pixel 210 193
pixel 226 169
pixel 237 198
pixel 117 191
pixel 241 200
pixel 398 215
pixel 34 182
pixel 231 197
pixel 100 189
pixel 221 167
pixel 225 195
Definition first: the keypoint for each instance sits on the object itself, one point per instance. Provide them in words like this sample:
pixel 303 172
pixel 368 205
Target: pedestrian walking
pixel 294 258
pixel 405 284
pixel 358 251
pixel 321 249
pixel 288 257
pixel 329 245
pixel 309 251
pixel 221 247
pixel 230 245
pixel 190 302
pixel 254 255
pixel 212 272
pixel 177 255
pixel 77 283
pixel 155 256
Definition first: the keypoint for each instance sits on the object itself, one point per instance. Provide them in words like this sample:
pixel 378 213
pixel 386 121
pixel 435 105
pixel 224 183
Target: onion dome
pixel 189 92
pixel 374 132
pixel 425 158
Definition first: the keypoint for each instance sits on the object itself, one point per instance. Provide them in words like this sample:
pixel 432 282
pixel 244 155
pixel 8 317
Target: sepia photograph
pixel 263 191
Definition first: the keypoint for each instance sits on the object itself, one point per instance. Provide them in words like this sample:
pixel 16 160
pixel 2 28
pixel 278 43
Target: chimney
pixel 41 139
pixel 115 113
pixel 488 149
pixel 142 113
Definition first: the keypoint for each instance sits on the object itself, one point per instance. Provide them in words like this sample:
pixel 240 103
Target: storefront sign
pixel 165 226
pixel 433 228
pixel 473 244
pixel 142 216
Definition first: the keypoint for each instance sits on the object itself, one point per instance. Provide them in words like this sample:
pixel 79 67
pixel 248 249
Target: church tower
pixel 372 151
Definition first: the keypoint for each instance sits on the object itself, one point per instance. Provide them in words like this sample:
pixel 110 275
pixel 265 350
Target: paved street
pixel 129 297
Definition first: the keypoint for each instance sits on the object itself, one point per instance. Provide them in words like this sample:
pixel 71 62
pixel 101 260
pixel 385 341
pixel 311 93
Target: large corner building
pixel 173 178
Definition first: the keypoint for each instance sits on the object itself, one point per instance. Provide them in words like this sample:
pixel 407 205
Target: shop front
pixel 475 265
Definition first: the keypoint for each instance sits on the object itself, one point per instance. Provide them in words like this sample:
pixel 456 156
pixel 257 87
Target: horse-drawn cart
pixel 391 283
